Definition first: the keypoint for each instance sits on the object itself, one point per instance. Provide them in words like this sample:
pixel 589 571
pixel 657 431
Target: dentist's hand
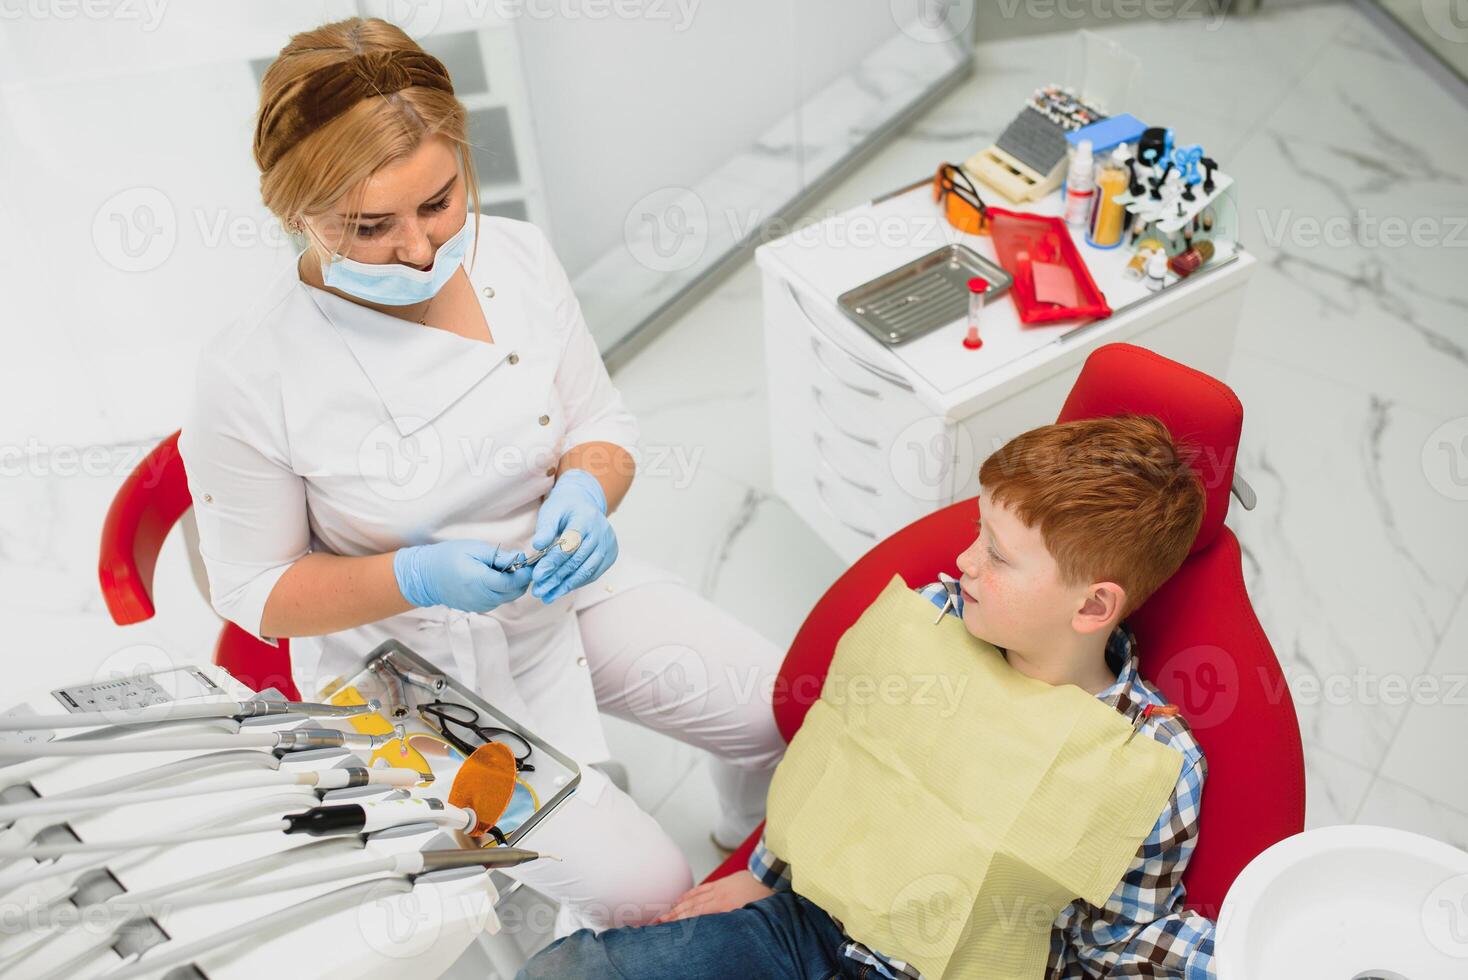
pixel 463 575
pixel 576 501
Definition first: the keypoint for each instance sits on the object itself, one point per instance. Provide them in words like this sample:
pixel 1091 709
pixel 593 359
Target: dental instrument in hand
pixel 322 780
pixel 238 710
pixel 568 542
pixel 293 740
pixel 318 821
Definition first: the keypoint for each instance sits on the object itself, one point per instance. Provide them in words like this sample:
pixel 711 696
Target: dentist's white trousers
pixel 665 658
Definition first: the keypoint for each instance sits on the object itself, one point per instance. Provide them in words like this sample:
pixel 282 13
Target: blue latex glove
pixel 465 575
pixel 576 501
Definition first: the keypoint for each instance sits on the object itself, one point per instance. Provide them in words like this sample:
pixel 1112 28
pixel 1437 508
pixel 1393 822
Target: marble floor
pixel 1351 362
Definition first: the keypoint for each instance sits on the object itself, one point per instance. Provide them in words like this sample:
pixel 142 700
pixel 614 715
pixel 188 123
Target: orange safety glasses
pixel 962 206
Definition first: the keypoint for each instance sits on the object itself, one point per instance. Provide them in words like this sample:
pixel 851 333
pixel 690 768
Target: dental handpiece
pixel 318 821
pixel 409 865
pixel 294 740
pixel 292 916
pixel 365 818
pixel 238 710
pixel 348 777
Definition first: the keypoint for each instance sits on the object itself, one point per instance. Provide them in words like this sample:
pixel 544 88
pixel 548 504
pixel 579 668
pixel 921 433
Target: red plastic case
pixel 1020 240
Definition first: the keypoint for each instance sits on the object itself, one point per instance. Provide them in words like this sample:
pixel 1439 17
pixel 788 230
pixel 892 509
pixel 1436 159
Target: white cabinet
pixel 867 438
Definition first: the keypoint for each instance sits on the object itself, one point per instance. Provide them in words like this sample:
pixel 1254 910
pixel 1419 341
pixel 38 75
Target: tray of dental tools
pixel 441 719
pixel 923 295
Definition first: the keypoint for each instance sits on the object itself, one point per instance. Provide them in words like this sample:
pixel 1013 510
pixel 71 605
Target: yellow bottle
pixel 1109 219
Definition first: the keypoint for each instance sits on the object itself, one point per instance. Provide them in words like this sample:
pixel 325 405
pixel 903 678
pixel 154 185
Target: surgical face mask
pixel 395 284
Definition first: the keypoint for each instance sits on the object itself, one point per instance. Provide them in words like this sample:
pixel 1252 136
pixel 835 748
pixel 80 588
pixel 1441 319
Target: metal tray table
pixel 556 774
pixel 927 293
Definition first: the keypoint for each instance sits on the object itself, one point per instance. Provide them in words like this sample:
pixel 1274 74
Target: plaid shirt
pixel 1143 929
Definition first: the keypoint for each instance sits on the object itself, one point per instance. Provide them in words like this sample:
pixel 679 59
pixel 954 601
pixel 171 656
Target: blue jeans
pixel 783 936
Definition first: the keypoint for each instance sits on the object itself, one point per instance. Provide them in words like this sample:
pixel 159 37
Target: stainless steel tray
pixel 923 295
pixel 556 775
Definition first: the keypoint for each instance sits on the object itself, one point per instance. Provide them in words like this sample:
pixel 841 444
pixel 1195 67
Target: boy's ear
pixel 1101 609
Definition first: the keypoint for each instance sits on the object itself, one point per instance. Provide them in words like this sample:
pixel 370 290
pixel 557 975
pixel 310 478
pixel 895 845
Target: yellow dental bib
pixel 944 807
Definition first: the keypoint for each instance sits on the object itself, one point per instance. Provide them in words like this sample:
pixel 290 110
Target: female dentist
pixel 412 405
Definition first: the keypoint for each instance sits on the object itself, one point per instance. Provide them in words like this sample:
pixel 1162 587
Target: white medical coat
pixel 320 425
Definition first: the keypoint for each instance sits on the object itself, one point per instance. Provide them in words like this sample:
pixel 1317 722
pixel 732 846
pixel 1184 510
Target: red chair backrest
pixel 149 502
pixel 1198 639
pixel 147 506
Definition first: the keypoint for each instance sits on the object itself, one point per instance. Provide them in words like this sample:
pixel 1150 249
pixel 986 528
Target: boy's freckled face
pixel 1012 596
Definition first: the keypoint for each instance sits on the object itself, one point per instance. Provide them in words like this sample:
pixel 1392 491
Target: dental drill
pixel 294 740
pixel 323 780
pixel 318 821
pixel 238 710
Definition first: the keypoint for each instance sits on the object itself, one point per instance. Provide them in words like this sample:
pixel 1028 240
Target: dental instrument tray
pixel 918 298
pixel 403 682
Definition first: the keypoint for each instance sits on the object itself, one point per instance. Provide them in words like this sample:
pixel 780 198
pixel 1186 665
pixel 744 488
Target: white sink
pixel 1348 903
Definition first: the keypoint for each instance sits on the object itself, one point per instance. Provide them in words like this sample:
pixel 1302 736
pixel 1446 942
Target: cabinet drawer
pixel 852 444
pixel 907 462
pixel 895 486
pixel 870 372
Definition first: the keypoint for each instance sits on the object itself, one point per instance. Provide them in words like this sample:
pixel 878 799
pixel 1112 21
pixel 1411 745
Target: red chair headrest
pixel 1202 413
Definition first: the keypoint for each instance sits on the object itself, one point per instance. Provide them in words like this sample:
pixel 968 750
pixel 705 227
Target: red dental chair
pixel 148 504
pixel 1198 639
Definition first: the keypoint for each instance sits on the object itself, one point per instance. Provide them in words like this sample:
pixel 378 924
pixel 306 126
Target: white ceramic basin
pixel 1348 903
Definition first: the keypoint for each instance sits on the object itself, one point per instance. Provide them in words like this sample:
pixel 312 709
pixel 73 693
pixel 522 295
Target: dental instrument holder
pixel 556 774
pixel 1164 221
pixel 1103 75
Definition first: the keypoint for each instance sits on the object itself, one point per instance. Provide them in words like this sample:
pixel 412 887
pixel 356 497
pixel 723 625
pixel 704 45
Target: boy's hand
pixel 724 895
